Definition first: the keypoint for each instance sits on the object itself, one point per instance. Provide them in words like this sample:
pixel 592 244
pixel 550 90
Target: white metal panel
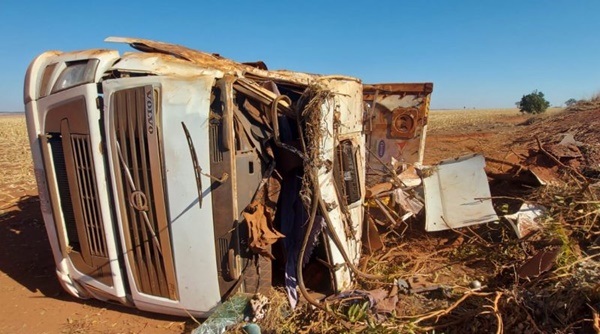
pixel 35 113
pixel 457 194
pixel 349 105
pixel 35 72
pixel 389 149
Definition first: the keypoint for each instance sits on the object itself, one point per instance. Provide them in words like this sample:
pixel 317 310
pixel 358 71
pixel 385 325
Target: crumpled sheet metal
pixel 546 164
pixel 527 219
pixel 217 62
pixel 262 232
pixel 407 202
pixel 259 217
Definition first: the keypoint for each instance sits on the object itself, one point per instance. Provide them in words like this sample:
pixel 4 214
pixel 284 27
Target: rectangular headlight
pixel 76 73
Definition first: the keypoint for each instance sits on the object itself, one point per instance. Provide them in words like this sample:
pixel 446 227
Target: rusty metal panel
pixel 214 61
pixel 396 120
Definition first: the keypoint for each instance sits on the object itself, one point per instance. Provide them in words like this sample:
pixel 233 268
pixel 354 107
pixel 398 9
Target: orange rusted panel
pixel 395 126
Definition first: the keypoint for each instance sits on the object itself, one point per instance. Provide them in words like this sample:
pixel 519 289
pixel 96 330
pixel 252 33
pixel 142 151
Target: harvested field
pixel 455 132
pixel 16 169
pixel 478 120
pixel 563 299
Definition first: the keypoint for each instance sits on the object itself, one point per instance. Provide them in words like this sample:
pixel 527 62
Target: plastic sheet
pixel 229 313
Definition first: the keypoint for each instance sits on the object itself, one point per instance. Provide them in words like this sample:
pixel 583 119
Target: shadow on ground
pixel 27 258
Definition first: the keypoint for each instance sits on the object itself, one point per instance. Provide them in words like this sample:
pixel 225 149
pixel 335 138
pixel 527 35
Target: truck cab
pixel 171 178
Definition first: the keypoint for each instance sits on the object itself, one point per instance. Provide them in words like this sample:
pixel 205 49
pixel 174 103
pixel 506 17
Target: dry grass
pixel 16 166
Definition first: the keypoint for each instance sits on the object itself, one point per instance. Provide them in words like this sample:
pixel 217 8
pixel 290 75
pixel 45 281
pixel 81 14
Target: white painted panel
pixel 457 194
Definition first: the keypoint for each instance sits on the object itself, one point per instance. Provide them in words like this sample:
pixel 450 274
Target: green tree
pixel 533 103
pixel 570 102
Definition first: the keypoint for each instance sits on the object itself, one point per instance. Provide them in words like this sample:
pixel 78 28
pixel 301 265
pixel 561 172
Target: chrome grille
pixel 141 192
pixel 88 194
pixel 73 188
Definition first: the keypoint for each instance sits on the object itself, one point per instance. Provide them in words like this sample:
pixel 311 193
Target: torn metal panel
pixel 395 126
pixel 410 177
pixel 161 64
pixel 527 219
pixel 263 95
pixel 564 151
pixel 379 188
pixel 410 205
pixel 538 264
pixel 217 62
pixel 347 217
pixel 260 215
pixel 457 194
pixel 543 168
pixel 371 237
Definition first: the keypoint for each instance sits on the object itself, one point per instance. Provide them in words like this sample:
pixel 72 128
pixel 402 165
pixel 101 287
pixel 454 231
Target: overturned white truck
pixel 171 178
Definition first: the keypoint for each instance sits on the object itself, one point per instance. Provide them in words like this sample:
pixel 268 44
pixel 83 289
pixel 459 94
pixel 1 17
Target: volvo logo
pixel 138 201
pixel 149 104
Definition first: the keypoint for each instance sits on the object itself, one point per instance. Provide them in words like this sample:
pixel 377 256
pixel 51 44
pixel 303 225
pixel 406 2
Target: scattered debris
pixel 259 304
pixel 538 264
pixel 475 284
pixel 527 219
pixel 569 139
pixel 406 278
pixel 227 314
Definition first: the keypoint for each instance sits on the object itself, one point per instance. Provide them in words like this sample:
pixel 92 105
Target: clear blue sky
pixel 481 54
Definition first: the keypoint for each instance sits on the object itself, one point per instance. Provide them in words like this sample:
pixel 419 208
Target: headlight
pixel 76 73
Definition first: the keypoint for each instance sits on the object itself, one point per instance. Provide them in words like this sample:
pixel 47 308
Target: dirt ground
pixel 32 299
pixel 34 302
